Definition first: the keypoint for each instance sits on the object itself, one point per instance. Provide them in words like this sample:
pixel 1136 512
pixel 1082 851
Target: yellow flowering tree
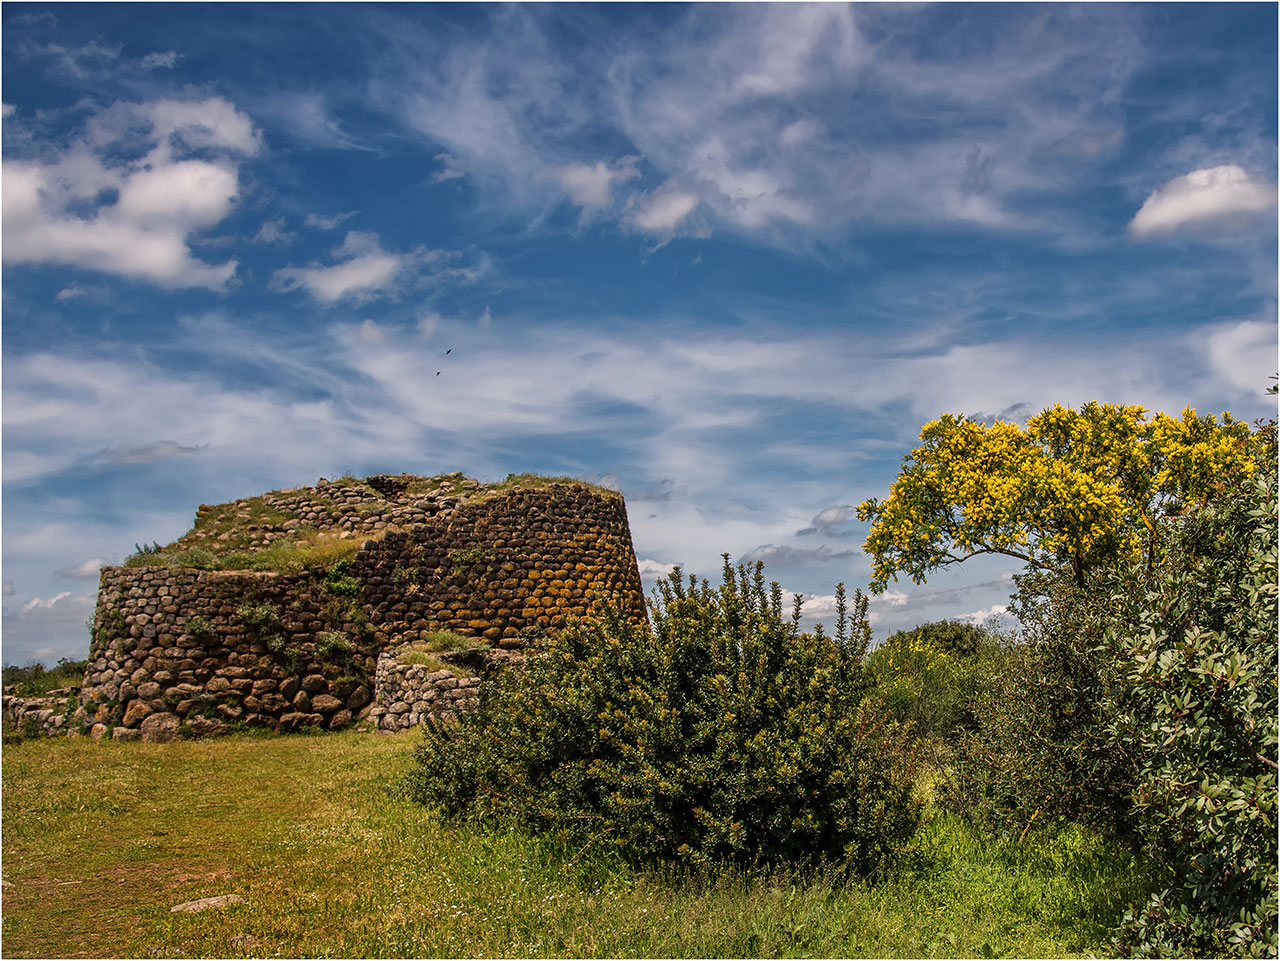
pixel 1066 492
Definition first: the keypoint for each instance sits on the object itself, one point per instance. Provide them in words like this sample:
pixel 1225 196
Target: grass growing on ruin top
pixel 427 651
pixel 230 536
pixel 311 551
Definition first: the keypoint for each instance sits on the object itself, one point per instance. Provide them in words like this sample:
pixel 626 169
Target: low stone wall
pixel 48 716
pixel 405 694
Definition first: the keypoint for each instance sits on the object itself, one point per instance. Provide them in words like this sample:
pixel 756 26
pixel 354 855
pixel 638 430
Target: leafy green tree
pixel 1195 711
pixel 717 733
pixel 1072 490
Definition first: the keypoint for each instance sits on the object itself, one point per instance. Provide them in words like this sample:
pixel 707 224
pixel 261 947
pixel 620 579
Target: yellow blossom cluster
pixel 1068 490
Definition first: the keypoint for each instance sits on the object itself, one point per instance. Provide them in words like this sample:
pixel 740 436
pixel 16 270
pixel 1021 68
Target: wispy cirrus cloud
pixel 747 117
pixel 363 270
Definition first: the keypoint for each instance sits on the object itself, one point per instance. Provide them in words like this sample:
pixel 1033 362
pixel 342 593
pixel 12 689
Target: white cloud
pixel 142 212
pixel 7 589
pixel 165 60
pixel 800 132
pixel 651 568
pixel 591 185
pixel 367 272
pixel 148 454
pixel 1211 195
pixel 69 293
pixel 371 333
pixel 49 629
pixel 36 602
pixel 308 116
pixel 890 599
pixel 1243 354
pixel 85 570
pixel 829 520
pixel 663 211
pixel 984 615
pixel 328 223
pixel 781 121
pixel 7 110
pixel 449 169
pixel 273 232
pixel 784 554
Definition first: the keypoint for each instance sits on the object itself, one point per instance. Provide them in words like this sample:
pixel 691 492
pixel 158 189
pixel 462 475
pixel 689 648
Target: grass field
pixel 100 839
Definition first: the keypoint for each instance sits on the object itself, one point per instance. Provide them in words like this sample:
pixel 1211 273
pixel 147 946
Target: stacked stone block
pixel 406 694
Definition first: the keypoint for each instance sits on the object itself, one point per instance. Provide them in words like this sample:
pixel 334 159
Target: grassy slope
pixel 101 839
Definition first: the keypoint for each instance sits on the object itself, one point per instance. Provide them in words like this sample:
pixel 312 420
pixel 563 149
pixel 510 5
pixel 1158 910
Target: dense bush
pixel 929 676
pixel 718 733
pixel 1195 714
pixel 1036 745
pixel 1145 703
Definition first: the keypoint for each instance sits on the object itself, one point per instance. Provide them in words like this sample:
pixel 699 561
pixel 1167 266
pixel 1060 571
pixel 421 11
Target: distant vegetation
pixel 35 680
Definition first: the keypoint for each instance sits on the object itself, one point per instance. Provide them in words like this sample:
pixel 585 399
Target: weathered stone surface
pixel 466 558
pixel 206 726
pixel 339 720
pixel 359 698
pixel 161 727
pixel 315 684
pixel 125 734
pixel 297 720
pixel 135 713
pixel 325 703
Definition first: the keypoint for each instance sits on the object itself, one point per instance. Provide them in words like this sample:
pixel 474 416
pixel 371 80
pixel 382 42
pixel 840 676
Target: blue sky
pixel 726 258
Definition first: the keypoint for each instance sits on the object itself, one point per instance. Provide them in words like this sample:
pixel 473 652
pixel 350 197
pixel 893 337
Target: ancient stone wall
pixel 405 694
pixel 194 651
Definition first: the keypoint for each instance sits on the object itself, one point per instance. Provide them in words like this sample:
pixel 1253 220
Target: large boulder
pixel 161 727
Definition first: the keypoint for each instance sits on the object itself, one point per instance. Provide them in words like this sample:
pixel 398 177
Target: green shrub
pixel 1195 713
pixel 329 643
pixel 340 582
pixel 717 733
pixel 1035 743
pixel 144 554
pixel 262 617
pixel 199 626
pixel 928 675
